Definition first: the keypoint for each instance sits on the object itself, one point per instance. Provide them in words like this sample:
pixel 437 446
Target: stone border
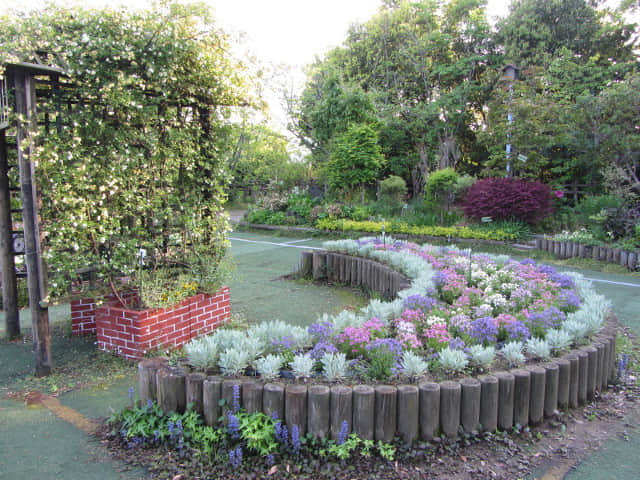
pixel 502 400
pixel 566 249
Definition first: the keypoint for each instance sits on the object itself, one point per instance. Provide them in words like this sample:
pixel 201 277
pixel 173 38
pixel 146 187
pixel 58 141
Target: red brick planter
pixel 133 333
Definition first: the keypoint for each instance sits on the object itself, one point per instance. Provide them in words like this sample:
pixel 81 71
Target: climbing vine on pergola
pixel 144 109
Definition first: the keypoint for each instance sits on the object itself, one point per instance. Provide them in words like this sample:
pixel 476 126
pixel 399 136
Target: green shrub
pixel 440 184
pixel 393 190
pixel 399 227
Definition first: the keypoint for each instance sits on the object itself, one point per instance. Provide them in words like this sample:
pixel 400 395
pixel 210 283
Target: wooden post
pixel 25 108
pixel 273 400
pixel 319 414
pixel 252 396
pixel 429 410
pixel 564 378
pixel 386 413
pixel 7 261
pixel 521 394
pixel 341 409
pixel 551 389
pixel 295 412
pixel 408 405
pixel 171 390
pixel 488 403
pixel 506 390
pixel 194 391
pixel 306 264
pixel 537 394
pixel 470 404
pixel 450 393
pixel 211 395
pixel 364 411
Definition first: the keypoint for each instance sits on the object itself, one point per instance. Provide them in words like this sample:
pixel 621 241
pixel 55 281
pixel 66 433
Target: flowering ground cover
pixel 462 313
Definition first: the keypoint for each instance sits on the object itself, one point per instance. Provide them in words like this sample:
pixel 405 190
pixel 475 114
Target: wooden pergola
pixel 18 93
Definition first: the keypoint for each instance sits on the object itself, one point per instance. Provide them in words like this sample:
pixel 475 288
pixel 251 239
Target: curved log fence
pixel 501 400
pixel 565 249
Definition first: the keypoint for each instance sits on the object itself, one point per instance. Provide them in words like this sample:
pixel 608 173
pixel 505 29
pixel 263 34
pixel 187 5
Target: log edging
pixel 567 249
pixel 514 398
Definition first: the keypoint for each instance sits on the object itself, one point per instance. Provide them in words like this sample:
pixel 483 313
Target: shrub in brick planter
pixel 132 333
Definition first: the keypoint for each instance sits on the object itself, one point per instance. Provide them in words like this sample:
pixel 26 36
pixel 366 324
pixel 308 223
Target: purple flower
pixel 517 330
pixel 149 405
pixel 391 345
pixel 457 344
pixel 320 348
pixel 565 281
pixel 439 279
pixel 528 261
pixel 295 439
pixel 236 398
pixel 548 269
pixel 235 457
pixel 419 302
pixel 483 330
pixel 282 435
pixel 540 322
pixel 321 332
pixel 569 300
pixel 233 425
pixel 344 432
pixel 171 426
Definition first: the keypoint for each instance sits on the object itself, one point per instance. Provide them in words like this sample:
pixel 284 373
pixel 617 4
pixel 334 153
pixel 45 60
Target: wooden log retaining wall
pixel 354 271
pixel 565 249
pixel 518 397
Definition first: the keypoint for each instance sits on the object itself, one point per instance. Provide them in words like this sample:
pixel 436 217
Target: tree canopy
pixel 428 76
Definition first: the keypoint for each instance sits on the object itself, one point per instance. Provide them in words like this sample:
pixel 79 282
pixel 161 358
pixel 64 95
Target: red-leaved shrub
pixel 506 198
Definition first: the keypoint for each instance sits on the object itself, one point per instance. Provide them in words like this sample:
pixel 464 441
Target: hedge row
pixel 398 227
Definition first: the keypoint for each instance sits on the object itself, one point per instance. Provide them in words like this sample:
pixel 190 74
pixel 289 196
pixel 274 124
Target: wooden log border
pixel 419 412
pixel 626 258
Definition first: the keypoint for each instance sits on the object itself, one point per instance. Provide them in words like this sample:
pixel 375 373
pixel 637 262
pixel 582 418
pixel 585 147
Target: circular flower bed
pixel 462 312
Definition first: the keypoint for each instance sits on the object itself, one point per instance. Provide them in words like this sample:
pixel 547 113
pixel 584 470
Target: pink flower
pixel 559 194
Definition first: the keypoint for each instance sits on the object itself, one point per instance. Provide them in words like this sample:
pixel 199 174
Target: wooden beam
pixel 9 284
pixel 25 110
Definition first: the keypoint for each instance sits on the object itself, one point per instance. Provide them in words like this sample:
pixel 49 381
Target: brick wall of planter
pixel 133 333
pixel 523 396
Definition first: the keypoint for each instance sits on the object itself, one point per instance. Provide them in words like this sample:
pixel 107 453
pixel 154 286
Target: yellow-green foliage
pixel 397 227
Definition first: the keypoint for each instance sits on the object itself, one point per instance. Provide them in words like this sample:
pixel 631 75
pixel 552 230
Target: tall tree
pixel 422 66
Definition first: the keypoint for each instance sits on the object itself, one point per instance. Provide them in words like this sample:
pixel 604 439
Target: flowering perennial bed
pixel 462 312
